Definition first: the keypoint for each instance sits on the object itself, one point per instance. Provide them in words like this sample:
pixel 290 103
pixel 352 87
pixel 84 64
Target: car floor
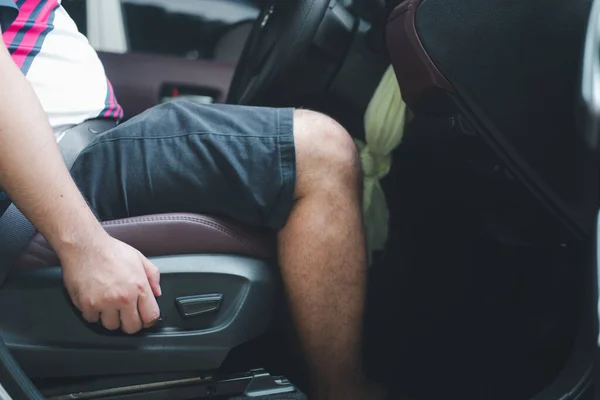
pixel 453 314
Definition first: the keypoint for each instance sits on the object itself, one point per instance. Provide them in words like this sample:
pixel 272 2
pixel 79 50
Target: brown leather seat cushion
pixel 170 234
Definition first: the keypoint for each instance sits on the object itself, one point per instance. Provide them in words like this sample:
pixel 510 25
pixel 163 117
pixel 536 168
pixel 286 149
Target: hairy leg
pixel 323 259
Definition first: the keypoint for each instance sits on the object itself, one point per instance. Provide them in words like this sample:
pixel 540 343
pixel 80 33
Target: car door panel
pixel 141 81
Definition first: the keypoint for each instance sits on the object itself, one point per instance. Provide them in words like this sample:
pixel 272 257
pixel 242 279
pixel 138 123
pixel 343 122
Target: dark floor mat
pixel 451 312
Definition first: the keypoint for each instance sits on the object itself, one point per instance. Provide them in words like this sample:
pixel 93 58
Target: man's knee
pixel 326 153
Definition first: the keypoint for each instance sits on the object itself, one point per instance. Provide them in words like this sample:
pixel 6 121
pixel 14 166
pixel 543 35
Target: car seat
pixel 507 76
pixel 218 280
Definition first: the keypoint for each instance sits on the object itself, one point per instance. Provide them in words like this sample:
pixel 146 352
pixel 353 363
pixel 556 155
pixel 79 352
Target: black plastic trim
pixel 49 338
pixel 15 383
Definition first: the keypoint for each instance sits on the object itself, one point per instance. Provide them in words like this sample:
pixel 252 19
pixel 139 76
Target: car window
pixel 195 29
pixel 187 28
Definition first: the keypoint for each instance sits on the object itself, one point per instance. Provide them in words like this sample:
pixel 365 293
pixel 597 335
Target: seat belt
pixel 15 229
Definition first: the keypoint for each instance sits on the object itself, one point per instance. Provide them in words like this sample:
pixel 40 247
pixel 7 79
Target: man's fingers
pixel 130 318
pixel 148 309
pixel 153 276
pixel 90 315
pixel 111 319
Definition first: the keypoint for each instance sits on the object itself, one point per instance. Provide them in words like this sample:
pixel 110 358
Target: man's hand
pixel 114 283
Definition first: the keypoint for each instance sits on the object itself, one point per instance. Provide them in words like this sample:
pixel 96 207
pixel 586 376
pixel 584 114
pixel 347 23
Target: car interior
pixel 486 286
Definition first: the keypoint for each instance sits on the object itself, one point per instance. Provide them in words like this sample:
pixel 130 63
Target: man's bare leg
pixel 323 259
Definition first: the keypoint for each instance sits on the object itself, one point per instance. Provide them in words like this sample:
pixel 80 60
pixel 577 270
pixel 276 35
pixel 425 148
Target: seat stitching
pixel 200 221
pixel 302 24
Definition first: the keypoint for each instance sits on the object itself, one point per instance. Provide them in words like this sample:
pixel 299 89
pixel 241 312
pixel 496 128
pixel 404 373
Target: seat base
pixel 45 332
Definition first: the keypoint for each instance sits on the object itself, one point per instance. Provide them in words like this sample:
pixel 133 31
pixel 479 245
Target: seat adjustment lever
pixel 192 306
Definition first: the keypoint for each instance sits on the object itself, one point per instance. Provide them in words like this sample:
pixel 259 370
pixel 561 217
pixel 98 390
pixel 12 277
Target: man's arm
pixel 32 171
pixel 106 279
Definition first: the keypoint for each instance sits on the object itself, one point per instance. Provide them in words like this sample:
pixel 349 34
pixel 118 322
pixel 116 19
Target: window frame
pixel 106 30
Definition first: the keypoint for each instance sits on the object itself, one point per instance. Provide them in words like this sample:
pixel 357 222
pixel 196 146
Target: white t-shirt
pixel 58 61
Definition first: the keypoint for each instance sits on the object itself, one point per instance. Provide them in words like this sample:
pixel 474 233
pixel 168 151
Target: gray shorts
pixel 239 162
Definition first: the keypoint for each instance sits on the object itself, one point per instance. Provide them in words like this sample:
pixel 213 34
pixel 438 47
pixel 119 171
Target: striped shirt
pixel 58 61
